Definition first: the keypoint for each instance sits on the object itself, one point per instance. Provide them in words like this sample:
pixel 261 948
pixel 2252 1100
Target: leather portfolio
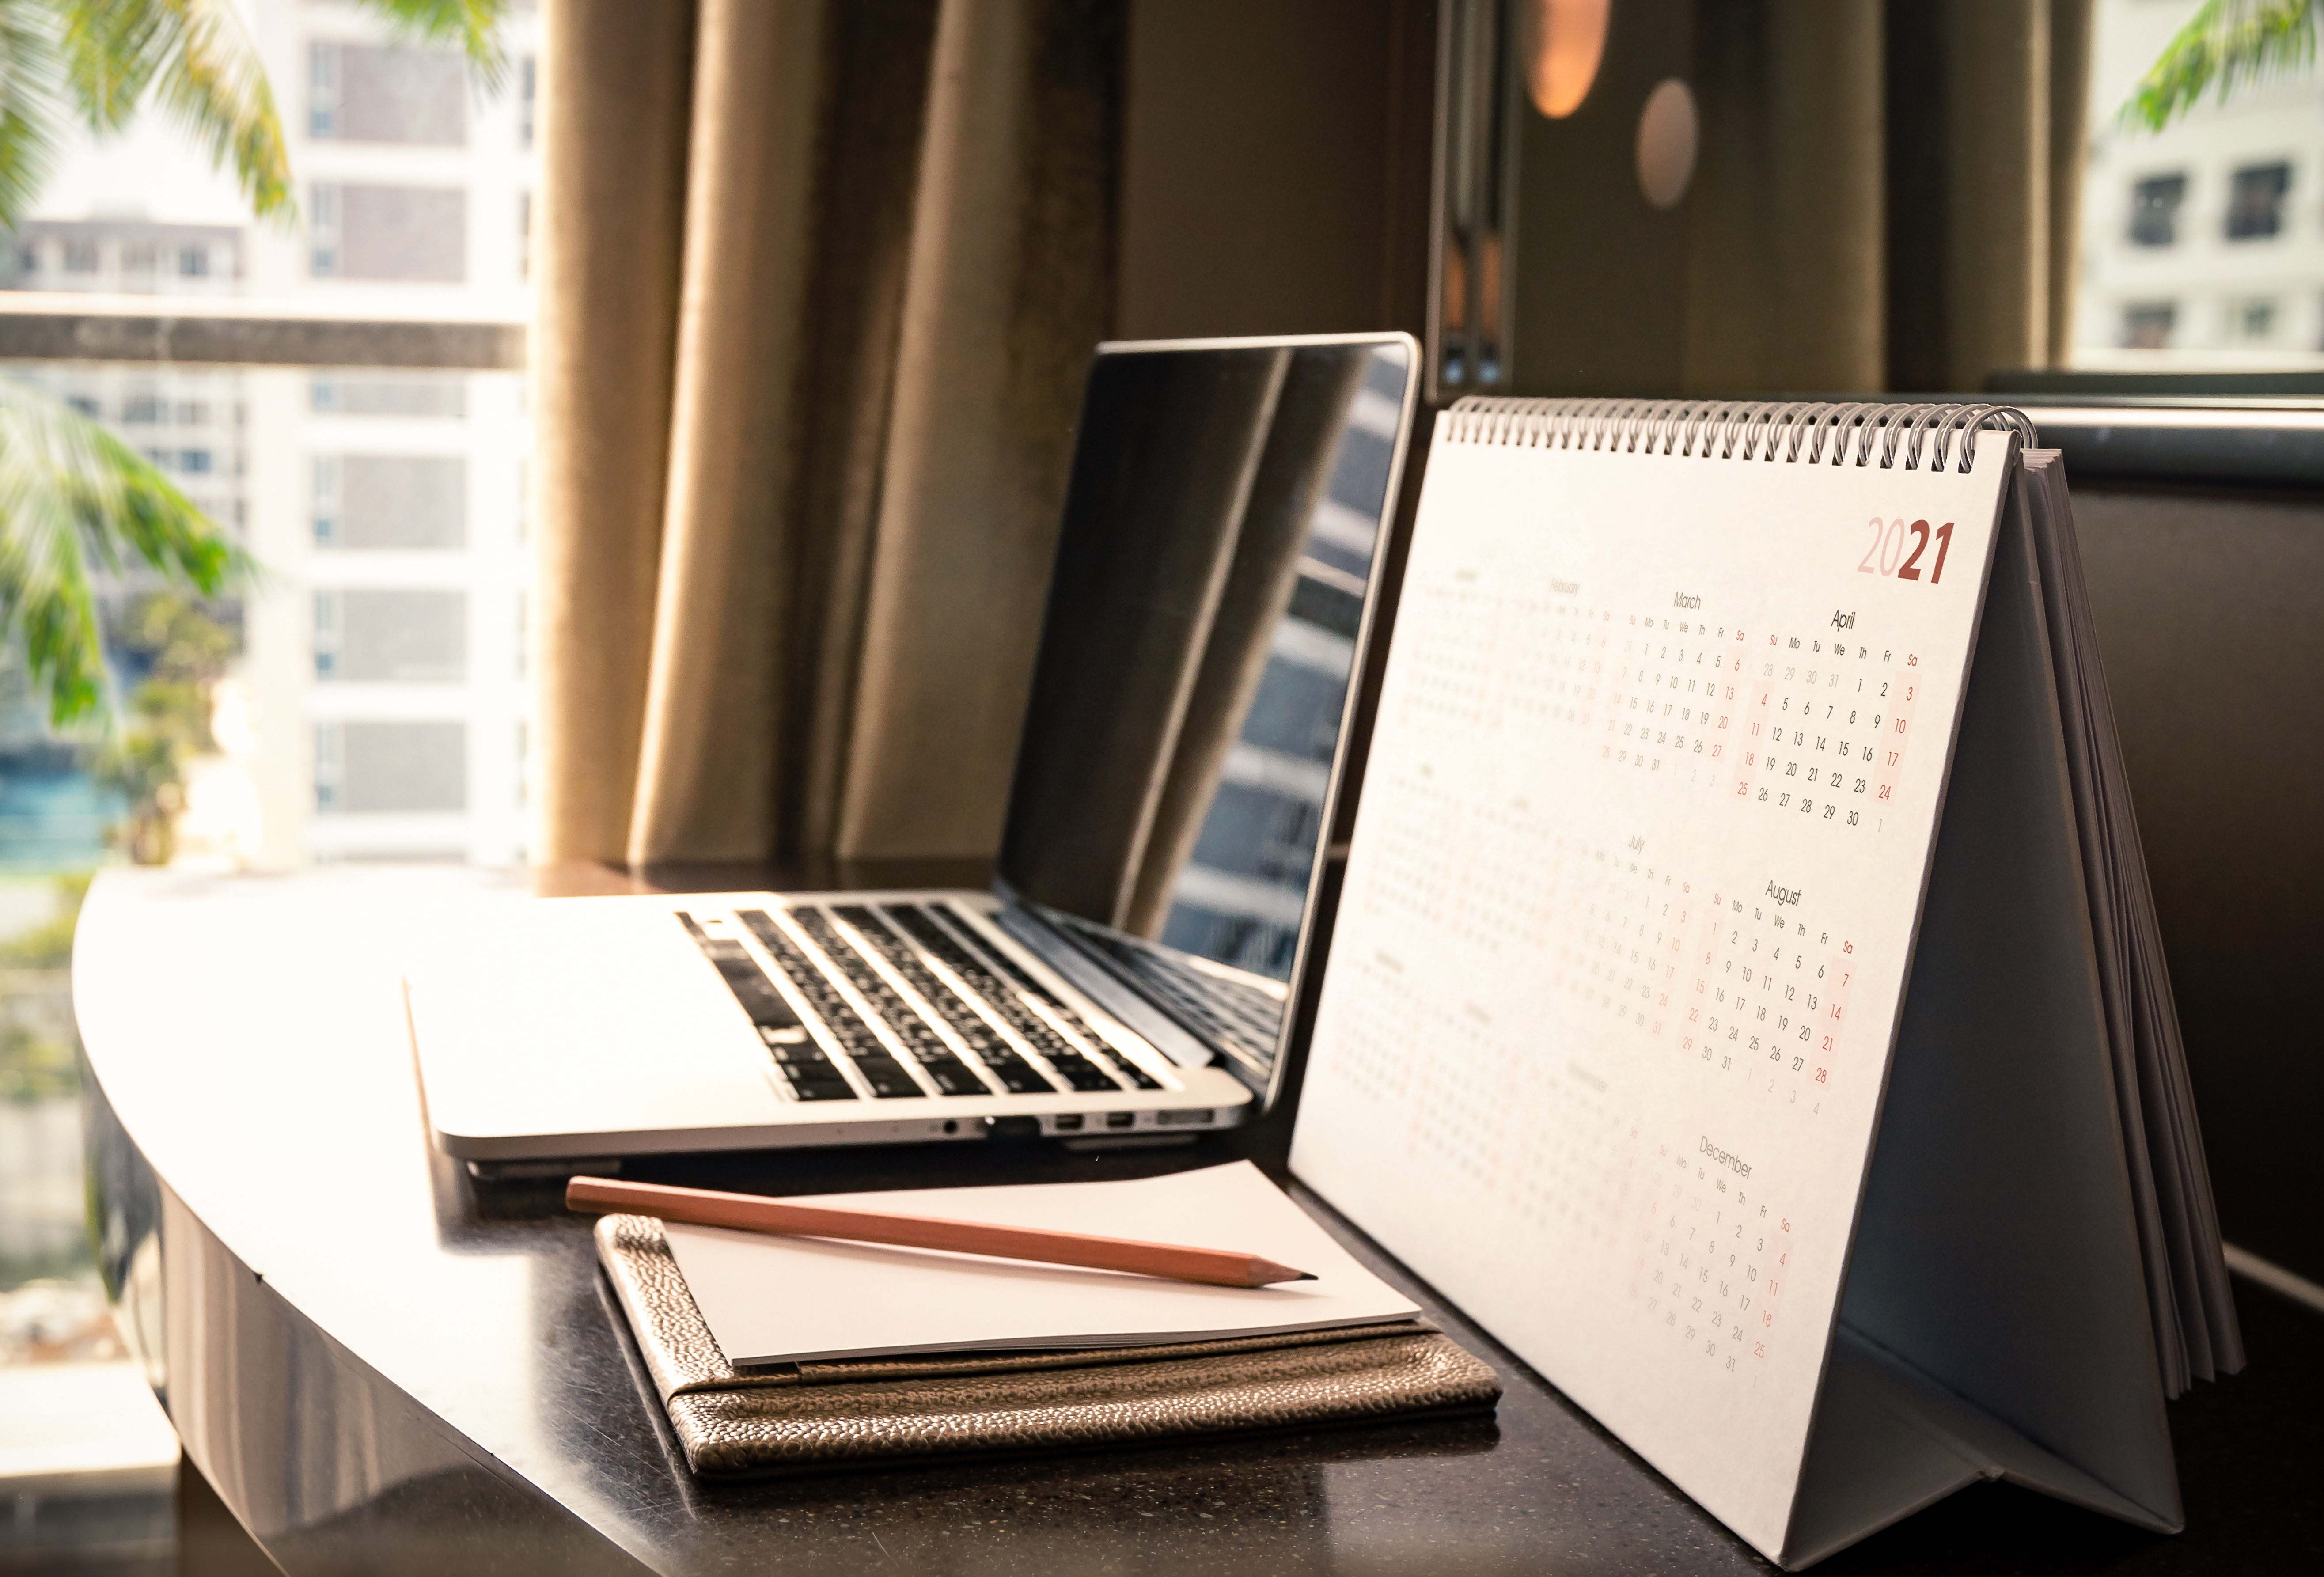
pixel 931 1407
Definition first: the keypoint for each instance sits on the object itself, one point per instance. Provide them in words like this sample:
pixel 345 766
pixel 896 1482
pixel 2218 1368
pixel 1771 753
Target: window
pixel 418 394
pixel 323 229
pixel 2252 320
pixel 391 767
pixel 364 636
pixel 2147 324
pixel 85 405
pixel 323 91
pixel 413 234
pixel 80 257
pixel 390 501
pixel 2255 201
pixel 193 262
pixel 361 93
pixel 194 462
pixel 2154 209
pixel 525 100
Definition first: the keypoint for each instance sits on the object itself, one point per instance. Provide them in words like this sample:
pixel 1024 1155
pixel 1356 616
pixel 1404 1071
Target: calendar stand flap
pixel 1997 1253
pixel 1873 1462
pixel 1890 1441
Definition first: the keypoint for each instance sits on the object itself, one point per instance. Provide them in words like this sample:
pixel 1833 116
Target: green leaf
pixel 194 59
pixel 74 498
pixel 2227 45
pixel 471 24
pixel 34 105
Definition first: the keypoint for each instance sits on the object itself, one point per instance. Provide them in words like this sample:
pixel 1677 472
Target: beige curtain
pixel 818 279
pixel 1889 195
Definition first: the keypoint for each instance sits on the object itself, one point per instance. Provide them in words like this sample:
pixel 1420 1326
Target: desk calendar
pixel 1745 999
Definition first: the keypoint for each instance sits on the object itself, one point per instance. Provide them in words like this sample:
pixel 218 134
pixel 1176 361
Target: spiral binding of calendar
pixel 1801 432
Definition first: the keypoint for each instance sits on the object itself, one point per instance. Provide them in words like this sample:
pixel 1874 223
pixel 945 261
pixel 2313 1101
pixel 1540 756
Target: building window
pixel 2147 324
pixel 330 765
pixel 416 234
pixel 80 257
pixel 389 394
pixel 323 91
pixel 359 93
pixel 194 462
pixel 525 99
pixel 2252 321
pixel 193 262
pixel 2255 201
pixel 323 229
pixel 85 406
pixel 2154 209
pixel 364 636
pixel 391 767
pixel 391 502
pixel 330 609
pixel 327 502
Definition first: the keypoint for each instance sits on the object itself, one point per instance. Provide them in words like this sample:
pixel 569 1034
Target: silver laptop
pixel 1131 974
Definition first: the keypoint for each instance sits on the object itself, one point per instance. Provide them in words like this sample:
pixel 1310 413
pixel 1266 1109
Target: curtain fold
pixel 1787 268
pixel 818 280
pixel 705 776
pixel 1008 285
pixel 1889 195
pixel 618 84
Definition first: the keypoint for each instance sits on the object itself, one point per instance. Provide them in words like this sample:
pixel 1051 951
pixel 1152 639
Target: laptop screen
pixel 1212 572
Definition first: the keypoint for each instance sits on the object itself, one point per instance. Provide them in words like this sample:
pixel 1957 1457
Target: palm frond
pixel 195 58
pixel 75 498
pixel 33 106
pixel 473 24
pixel 2226 46
pixel 109 56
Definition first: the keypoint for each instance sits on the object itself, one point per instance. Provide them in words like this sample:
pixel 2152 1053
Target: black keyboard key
pixel 829 1088
pixel 952 1077
pixel 1019 1077
pixel 887 1078
pixel 805 1055
pixel 1080 1074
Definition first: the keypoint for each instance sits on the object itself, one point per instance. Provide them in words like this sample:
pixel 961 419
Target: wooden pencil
pixel 787 1218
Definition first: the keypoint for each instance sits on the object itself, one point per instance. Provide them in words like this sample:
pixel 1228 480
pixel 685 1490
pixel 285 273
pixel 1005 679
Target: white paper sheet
pixel 775 1300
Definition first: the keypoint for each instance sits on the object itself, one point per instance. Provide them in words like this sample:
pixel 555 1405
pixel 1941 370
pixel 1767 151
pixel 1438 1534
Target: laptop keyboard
pixel 1016 1075
pixel 1239 1019
pixel 954 1015
pixel 1083 1065
pixel 860 1044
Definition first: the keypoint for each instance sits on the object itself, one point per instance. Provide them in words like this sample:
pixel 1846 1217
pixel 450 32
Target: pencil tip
pixel 1306 1275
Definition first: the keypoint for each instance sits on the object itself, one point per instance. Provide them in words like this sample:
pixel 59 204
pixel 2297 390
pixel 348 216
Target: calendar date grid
pixel 1814 725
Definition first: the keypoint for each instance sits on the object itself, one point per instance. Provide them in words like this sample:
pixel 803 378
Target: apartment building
pixel 2204 241
pixel 379 711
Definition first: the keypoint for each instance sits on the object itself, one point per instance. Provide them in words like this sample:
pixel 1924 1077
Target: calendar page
pixel 1660 754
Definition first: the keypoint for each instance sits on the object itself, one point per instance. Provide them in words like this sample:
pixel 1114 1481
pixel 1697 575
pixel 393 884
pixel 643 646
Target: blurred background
pixel 339 389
